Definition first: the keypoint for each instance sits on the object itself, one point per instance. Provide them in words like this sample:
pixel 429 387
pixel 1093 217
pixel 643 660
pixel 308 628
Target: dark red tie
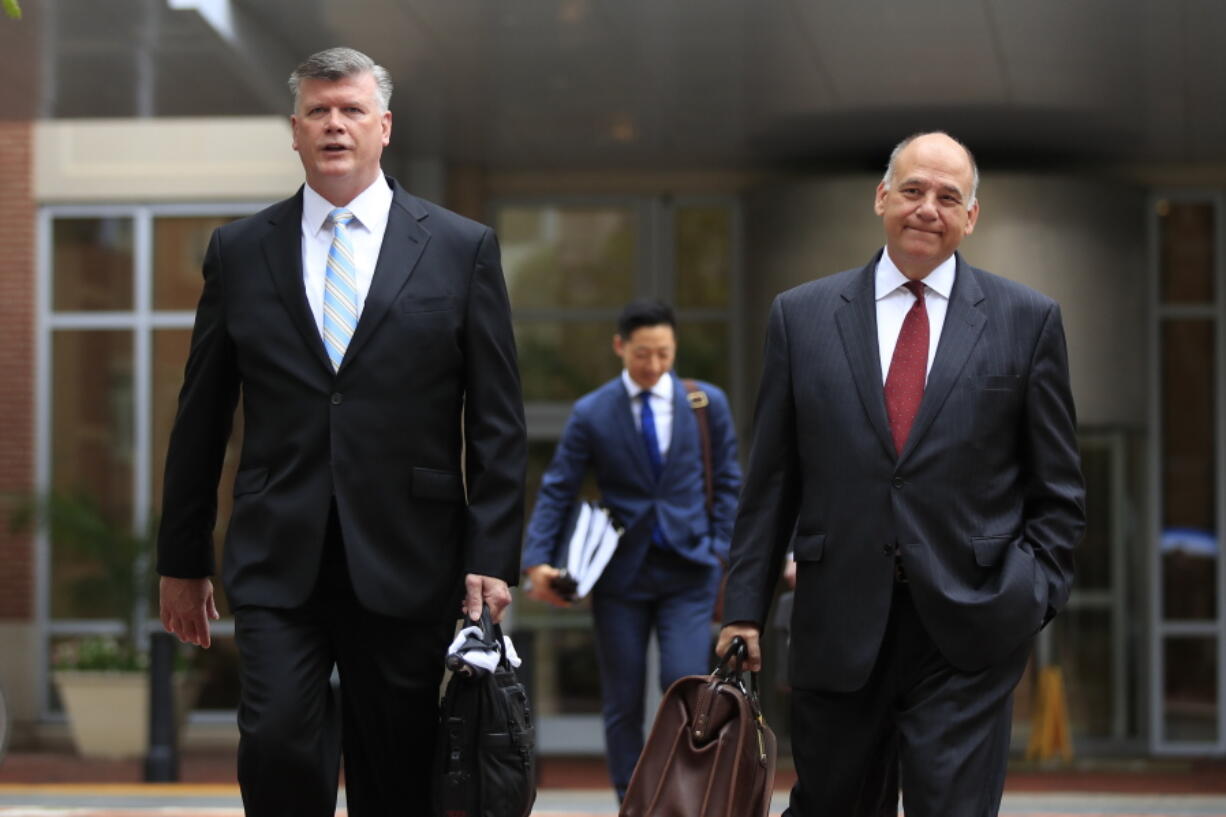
pixel 904 385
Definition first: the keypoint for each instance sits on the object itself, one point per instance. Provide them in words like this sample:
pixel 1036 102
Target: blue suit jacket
pixel 601 435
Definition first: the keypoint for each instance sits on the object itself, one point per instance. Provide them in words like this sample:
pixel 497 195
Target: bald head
pixel 937 140
pixel 927 202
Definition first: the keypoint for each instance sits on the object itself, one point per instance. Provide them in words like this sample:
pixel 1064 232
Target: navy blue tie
pixel 652 441
pixel 649 435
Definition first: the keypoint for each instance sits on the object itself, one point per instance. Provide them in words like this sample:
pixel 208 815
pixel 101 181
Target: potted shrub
pixel 103 681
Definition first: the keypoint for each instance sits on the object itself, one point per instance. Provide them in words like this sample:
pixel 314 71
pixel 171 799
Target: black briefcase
pixel 485 759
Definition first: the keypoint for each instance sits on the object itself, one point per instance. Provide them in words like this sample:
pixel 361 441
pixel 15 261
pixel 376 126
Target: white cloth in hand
pixel 471 648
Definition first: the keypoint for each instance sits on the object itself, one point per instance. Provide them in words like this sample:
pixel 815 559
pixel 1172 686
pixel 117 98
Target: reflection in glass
pixel 179 244
pixel 568 256
pixel 704 255
pixel 1186 252
pixel 1025 696
pixel 1189 694
pixel 1082 641
pixel 703 351
pixel 1189 479
pixel 1189 577
pixel 91 449
pixel 170 347
pixel 217 671
pixel 563 360
pixel 540 454
pixel 92 263
pixel 1094 550
pixel 567 678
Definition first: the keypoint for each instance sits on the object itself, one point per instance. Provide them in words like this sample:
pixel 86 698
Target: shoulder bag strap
pixel 699 402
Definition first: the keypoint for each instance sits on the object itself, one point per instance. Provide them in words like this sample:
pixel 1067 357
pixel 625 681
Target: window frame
pixel 1162 629
pixel 141 320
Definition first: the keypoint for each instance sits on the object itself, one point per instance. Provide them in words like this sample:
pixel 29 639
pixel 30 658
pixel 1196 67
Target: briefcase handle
pixel 491 636
pixel 731 669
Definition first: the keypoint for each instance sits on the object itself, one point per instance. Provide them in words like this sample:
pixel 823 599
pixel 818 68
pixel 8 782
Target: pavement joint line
pixel 48 811
pixel 124 789
pixel 222 800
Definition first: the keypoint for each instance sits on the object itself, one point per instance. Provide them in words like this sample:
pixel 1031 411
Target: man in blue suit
pixel 640 436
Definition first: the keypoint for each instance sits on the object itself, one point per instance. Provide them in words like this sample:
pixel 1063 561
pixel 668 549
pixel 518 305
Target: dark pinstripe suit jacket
pixel 984 505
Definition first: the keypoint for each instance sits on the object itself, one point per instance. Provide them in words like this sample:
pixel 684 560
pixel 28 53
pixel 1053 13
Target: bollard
pixel 162 762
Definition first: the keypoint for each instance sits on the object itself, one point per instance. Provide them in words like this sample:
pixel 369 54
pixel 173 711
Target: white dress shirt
pixel 366 231
pixel 661 407
pixel 894 301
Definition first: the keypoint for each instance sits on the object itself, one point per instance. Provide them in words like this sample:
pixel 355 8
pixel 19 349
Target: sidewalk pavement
pixel 183 800
pixel 61 785
pixel 1119 775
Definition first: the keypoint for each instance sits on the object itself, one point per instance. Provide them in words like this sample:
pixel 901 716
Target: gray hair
pixel 338 63
pixel 888 179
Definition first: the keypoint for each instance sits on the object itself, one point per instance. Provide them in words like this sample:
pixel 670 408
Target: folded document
pixel 588 543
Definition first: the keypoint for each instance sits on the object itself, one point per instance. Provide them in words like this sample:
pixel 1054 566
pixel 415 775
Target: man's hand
pixel 747 631
pixel 480 590
pixel 540 587
pixel 186 605
pixel 789 574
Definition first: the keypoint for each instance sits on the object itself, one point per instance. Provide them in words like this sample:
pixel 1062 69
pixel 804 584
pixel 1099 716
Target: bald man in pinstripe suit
pixel 915 446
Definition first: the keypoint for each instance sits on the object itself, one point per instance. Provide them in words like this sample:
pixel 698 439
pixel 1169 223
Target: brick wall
pixel 17 287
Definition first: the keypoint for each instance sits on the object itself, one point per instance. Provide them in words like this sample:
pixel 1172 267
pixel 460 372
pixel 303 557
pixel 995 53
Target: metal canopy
pixel 675 83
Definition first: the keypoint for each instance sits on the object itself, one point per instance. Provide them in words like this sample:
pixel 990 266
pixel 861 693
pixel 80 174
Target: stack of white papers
pixel 590 545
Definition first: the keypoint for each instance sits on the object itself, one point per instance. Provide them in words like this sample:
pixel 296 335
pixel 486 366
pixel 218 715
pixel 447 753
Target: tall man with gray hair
pixel 380 488
pixel 915 446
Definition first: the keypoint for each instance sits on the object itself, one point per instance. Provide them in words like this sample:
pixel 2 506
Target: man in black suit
pixel 915 445
pixel 369 334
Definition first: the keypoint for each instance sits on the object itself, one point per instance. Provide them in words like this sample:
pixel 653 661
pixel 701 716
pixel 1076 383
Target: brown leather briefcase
pixel 710 752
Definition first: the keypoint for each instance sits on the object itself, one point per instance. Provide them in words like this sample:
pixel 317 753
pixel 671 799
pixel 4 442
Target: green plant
pixel 98 652
pixel 119 586
pixel 12 9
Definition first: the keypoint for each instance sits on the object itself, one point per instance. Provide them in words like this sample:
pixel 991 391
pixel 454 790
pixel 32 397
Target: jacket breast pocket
pixel 999 382
pixel 808 547
pixel 415 304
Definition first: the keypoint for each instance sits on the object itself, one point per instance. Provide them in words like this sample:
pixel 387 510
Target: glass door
pixel 1187 451
pixel 571 265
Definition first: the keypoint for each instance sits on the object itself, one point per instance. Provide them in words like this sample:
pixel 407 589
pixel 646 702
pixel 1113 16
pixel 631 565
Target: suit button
pixel 337 398
pixel 888 549
pixel 898 482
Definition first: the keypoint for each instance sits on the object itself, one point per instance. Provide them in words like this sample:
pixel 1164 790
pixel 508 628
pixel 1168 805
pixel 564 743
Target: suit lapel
pixel 283 254
pixel 684 435
pixel 403 243
pixel 964 323
pixel 857 322
pixel 631 439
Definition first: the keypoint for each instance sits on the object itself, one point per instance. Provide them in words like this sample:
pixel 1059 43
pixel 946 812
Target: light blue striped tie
pixel 340 290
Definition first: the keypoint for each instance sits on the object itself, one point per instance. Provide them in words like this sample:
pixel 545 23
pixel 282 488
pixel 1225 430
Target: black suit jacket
pixel 984 504
pixel 430 375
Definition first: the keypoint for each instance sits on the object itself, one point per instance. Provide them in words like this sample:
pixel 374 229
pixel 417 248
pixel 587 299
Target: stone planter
pixel 108 712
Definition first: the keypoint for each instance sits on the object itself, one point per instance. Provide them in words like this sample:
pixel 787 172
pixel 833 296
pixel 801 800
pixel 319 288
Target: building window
pixel 1189 633
pixel 119 290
